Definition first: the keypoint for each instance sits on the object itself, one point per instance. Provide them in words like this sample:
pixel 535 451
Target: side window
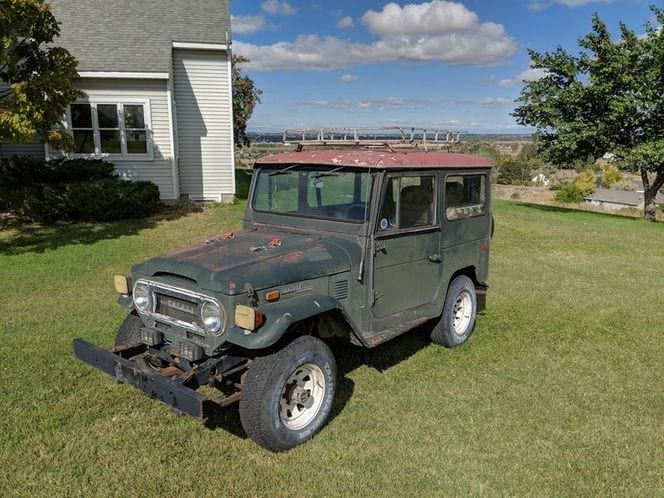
pixel 408 202
pixel 465 196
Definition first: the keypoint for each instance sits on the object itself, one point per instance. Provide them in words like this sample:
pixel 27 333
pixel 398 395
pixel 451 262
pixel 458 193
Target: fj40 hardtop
pixel 360 245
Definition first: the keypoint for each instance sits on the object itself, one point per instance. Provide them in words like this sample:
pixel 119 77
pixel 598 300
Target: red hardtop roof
pixel 376 159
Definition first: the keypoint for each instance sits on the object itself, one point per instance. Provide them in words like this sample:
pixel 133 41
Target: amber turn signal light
pixel 248 318
pixel 121 284
pixel 272 296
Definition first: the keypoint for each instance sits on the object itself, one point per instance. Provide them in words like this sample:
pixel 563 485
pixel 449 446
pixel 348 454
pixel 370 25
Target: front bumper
pixel 175 391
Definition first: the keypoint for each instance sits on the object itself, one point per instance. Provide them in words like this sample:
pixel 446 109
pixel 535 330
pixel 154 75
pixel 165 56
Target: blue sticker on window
pixel 384 224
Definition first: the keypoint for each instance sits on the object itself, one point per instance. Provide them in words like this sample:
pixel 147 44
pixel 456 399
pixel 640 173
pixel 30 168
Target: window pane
pixel 317 193
pixel 84 142
pixel 465 196
pixel 110 141
pixel 81 116
pixel 388 212
pixel 416 201
pixel 137 142
pixel 133 115
pixel 107 114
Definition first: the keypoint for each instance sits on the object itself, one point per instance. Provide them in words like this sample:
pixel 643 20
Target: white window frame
pixel 120 103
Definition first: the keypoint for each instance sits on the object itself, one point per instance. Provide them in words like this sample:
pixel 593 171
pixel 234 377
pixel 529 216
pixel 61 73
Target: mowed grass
pixel 560 390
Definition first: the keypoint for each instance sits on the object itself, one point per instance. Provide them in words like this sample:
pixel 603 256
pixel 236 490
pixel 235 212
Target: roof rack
pixel 392 137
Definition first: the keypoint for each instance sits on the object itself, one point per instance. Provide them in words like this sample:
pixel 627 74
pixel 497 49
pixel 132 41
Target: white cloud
pixel 278 8
pixel 349 78
pixel 247 24
pixel 496 102
pixel 390 103
pixel 433 18
pixel 538 5
pixel 488 102
pixel 438 31
pixel 531 74
pixel 345 22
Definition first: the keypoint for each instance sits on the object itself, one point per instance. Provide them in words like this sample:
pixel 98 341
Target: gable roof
pixel 626 197
pixel 132 36
pixel 377 159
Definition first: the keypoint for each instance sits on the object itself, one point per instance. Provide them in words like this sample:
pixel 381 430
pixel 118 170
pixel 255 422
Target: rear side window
pixel 465 196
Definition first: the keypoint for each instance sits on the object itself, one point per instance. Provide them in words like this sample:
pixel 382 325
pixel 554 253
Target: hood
pixel 228 262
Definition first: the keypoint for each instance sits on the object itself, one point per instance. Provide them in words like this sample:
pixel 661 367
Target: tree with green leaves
pixel 609 98
pixel 36 79
pixel 245 98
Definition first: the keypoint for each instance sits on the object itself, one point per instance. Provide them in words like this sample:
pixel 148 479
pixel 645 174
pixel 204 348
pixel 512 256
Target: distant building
pixel 156 78
pixel 614 200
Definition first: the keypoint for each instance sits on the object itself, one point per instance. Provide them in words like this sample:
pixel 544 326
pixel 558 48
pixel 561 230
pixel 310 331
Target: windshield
pixel 313 192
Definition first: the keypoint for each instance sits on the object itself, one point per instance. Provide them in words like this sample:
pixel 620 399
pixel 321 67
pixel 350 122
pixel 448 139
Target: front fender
pixel 279 317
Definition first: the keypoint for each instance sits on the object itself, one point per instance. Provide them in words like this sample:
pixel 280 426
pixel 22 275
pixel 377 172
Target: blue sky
pixel 437 64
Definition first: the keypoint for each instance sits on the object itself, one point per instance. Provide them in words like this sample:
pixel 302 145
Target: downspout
pixel 175 163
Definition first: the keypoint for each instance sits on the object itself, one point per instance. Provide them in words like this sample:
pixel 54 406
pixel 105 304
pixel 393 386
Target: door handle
pixel 435 258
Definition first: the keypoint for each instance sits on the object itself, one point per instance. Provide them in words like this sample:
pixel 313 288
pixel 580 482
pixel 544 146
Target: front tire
pixel 130 330
pixel 287 396
pixel 128 334
pixel 457 321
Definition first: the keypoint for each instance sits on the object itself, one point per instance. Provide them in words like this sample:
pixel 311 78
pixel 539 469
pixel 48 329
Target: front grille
pixel 177 309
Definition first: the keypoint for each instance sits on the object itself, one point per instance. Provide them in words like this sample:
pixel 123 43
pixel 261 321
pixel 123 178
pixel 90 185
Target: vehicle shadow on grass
pixel 18 237
pixel 348 358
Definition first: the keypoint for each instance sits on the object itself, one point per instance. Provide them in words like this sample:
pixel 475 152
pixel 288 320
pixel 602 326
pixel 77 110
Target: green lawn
pixel 560 390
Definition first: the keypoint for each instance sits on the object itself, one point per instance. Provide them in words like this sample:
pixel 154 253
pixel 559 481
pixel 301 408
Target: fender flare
pixel 279 317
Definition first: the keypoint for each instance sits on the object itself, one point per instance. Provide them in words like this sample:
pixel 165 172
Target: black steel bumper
pixel 164 389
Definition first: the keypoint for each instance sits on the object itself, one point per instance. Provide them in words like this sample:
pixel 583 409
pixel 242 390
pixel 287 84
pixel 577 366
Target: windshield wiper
pixel 327 173
pixel 285 170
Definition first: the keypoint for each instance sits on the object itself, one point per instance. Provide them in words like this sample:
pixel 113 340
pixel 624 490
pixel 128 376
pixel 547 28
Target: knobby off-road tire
pixel 287 396
pixel 458 318
pixel 130 333
pixel 130 330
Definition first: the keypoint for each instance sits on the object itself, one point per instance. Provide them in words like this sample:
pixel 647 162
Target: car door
pixel 406 247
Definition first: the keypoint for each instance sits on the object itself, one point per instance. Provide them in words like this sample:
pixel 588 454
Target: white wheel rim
pixel 302 396
pixel 463 308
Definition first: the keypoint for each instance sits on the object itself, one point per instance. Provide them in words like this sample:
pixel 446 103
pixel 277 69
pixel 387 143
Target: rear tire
pixel 457 321
pixel 287 396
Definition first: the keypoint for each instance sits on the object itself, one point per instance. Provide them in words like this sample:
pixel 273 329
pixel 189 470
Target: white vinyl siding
pixel 203 112
pixel 35 149
pixel 159 169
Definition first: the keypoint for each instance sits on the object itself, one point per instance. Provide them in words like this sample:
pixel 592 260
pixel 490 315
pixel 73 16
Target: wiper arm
pixel 327 173
pixel 285 170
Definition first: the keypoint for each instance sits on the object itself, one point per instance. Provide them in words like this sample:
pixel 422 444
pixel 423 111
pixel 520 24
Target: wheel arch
pixel 293 317
pixel 480 288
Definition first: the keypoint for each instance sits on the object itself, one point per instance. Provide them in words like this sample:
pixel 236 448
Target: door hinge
pixel 377 295
pixel 435 258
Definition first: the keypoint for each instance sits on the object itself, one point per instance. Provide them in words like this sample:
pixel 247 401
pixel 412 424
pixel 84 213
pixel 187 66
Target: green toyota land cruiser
pixel 361 245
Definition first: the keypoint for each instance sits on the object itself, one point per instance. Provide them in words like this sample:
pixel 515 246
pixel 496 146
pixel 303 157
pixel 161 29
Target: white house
pixel 156 78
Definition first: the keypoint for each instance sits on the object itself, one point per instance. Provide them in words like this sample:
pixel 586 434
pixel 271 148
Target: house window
pixel 116 129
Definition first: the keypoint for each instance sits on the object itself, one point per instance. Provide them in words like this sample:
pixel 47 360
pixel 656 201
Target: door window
pixel 408 201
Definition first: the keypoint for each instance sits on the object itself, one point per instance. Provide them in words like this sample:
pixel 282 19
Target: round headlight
pixel 212 316
pixel 141 296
